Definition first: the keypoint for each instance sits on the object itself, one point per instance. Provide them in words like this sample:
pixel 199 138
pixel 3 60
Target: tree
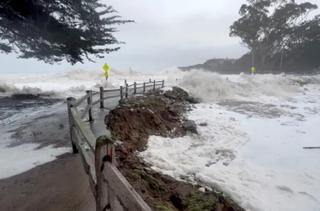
pixel 273 28
pixel 54 30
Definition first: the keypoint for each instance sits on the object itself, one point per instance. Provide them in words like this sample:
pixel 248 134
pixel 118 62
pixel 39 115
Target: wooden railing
pixel 110 188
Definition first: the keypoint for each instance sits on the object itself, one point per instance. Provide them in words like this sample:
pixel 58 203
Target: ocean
pixel 251 147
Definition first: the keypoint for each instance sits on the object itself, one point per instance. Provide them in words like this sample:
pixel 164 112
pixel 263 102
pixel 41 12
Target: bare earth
pixel 61 185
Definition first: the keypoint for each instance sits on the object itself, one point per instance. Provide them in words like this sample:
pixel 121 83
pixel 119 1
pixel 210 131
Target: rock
pixel 24 96
pixel 203 124
pixel 190 126
pixel 177 94
pixel 176 200
pixel 202 189
pixel 192 100
pixel 233 119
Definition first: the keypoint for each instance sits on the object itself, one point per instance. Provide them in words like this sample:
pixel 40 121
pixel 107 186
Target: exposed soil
pixel 132 122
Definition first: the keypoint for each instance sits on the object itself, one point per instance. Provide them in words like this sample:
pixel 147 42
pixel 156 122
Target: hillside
pixel 296 65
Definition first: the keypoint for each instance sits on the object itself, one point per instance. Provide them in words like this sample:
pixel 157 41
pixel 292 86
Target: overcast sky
pixel 166 33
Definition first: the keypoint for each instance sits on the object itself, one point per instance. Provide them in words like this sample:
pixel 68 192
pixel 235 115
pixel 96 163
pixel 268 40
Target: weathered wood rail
pixel 110 188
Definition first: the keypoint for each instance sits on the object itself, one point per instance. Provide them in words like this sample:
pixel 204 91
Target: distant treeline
pixel 301 62
pixel 281 36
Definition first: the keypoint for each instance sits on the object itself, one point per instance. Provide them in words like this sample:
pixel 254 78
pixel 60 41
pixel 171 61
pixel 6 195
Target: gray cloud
pixel 166 33
pixel 179 32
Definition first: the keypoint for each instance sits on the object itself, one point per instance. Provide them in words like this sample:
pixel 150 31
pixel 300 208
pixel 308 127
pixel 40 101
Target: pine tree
pixel 56 30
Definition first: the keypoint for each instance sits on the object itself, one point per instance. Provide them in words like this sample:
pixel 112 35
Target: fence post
pixel 126 90
pixel 101 97
pixel 162 83
pixel 154 85
pixel 89 100
pixel 121 92
pixel 150 80
pixel 135 88
pixel 98 187
pixel 70 101
pixel 125 82
pixel 104 152
pixel 144 87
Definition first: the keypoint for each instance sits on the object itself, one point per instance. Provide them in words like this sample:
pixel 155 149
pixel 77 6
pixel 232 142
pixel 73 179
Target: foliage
pixel 277 30
pixel 54 30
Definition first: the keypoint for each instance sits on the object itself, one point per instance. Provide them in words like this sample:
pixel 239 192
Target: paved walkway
pixel 98 125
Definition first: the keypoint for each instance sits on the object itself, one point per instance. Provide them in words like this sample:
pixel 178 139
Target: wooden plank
pixel 94 93
pixel 89 100
pixel 84 129
pixel 86 109
pixel 123 191
pixel 87 156
pixel 311 147
pixel 80 100
pixel 111 90
pixel 110 97
pixel 70 102
pixel 117 206
pixel 98 165
pixel 95 103
pixel 103 152
pixel 121 92
pixel 101 97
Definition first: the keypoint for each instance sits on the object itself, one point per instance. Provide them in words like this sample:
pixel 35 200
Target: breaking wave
pixel 213 87
pixel 60 84
pixel 6 88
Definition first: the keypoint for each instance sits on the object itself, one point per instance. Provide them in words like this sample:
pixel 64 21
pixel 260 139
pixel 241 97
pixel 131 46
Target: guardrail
pixel 110 188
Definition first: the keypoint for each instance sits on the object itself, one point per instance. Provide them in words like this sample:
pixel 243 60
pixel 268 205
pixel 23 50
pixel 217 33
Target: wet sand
pixel 61 185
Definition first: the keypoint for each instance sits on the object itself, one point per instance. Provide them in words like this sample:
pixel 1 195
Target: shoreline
pixel 162 114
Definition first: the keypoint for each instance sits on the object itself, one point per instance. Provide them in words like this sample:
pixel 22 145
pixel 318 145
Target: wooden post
pixel 135 88
pixel 144 87
pixel 121 92
pixel 154 85
pixel 162 84
pixel 89 100
pixel 126 90
pixel 70 102
pixel 125 82
pixel 150 80
pixel 104 152
pixel 98 187
pixel 101 97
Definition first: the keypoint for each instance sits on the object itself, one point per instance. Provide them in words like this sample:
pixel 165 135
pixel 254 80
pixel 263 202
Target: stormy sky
pixel 166 33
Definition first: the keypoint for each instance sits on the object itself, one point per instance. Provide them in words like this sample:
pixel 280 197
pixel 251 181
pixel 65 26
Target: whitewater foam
pixel 252 146
pixel 71 83
pixel 213 87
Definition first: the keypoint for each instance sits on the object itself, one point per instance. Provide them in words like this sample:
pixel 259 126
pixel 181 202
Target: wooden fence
pixel 110 188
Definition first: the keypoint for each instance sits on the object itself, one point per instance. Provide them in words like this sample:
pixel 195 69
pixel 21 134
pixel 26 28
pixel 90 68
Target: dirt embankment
pixel 132 122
